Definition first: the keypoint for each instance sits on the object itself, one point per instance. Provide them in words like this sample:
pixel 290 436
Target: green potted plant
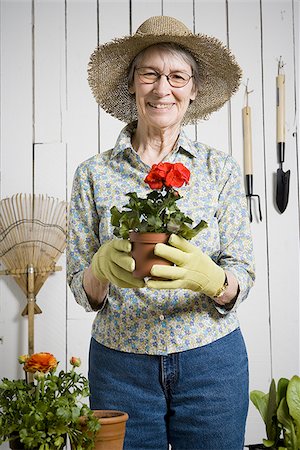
pixel 280 411
pixel 42 414
pixel 152 219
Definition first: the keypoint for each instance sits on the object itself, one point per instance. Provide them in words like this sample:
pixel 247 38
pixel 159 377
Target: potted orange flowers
pixel 158 213
pixel 43 413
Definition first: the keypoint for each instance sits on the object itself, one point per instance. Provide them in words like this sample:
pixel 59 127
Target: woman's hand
pixel 194 270
pixel 113 263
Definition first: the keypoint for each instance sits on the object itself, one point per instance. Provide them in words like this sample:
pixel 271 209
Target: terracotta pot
pixel 111 434
pixel 143 252
pixel 112 429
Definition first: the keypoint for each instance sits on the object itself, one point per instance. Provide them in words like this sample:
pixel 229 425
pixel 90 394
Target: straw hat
pixel 108 68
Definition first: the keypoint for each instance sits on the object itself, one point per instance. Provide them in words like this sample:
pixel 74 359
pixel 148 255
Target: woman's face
pixel 159 104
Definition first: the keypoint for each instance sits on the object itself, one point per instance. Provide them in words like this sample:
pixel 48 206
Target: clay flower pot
pixel 112 429
pixel 111 434
pixel 143 252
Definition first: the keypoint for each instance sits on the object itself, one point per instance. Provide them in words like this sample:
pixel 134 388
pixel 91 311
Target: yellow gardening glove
pixel 194 269
pixel 113 263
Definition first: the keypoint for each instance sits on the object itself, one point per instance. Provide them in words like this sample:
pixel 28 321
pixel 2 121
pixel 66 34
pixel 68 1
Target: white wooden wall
pixel 50 123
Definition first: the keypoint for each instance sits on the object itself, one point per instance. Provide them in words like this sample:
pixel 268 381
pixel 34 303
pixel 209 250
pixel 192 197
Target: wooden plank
pixel 183 11
pixel 210 19
pixel 81 131
pixel 79 343
pixel 13 328
pixel 16 97
pixel 49 64
pixel 142 10
pixel 50 326
pixel 81 121
pixel 254 313
pixel 15 160
pixel 50 159
pixel 109 126
pixel 282 228
pixel 296 5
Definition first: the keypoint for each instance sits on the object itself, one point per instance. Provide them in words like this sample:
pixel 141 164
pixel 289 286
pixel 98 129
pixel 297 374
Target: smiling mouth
pixel 161 106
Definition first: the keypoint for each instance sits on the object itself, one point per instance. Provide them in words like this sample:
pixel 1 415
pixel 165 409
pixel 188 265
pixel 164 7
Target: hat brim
pixel 108 69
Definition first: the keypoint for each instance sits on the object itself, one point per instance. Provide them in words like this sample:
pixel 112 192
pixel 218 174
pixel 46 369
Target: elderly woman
pixel 168 350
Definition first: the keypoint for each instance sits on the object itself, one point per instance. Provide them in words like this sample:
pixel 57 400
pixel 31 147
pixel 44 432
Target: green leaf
pixel 260 401
pixel 115 216
pixel 281 389
pixel 290 439
pixel 188 233
pixel 293 402
pixel 267 406
pixel 267 443
pixel 271 425
pixel 123 231
pixel 154 222
pixel 173 226
pixel 59 441
pixel 63 413
pixel 75 413
pixel 201 225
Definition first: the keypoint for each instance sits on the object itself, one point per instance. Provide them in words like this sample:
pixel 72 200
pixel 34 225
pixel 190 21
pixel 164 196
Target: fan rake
pixel 32 238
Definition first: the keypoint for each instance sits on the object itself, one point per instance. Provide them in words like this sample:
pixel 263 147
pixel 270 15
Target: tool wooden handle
pixel 246 112
pixel 280 87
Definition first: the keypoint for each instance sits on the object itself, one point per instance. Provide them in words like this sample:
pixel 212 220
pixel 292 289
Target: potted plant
pixel 43 413
pixel 280 411
pixel 155 217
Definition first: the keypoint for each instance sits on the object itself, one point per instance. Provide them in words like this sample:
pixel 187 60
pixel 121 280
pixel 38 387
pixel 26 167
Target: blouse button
pixel 162 317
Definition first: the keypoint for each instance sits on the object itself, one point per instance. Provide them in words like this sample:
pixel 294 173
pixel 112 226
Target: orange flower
pixel 23 358
pixel 74 361
pixel 40 362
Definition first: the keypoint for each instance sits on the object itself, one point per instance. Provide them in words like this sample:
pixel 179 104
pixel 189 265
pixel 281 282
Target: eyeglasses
pixel 175 79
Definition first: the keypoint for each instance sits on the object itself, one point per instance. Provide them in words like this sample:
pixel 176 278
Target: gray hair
pixel 175 50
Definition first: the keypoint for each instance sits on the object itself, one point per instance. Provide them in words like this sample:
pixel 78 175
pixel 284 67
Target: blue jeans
pixel 193 400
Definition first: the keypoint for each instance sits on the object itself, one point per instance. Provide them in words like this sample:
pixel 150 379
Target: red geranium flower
pixel 157 175
pixel 168 175
pixel 177 176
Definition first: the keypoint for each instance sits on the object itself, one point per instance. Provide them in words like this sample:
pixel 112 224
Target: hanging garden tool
pixel 283 178
pixel 248 166
pixel 32 238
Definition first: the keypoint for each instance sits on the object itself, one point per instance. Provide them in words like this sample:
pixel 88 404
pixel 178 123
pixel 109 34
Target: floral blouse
pixel 160 322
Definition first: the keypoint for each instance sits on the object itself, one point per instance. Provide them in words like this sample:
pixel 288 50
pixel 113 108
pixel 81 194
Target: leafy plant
pixel 280 411
pixel 157 212
pixel 41 414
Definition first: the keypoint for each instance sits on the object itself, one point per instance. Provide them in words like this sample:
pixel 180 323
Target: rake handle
pixel 30 304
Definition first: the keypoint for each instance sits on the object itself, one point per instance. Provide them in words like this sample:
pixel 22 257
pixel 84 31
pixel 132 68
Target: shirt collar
pixel 124 141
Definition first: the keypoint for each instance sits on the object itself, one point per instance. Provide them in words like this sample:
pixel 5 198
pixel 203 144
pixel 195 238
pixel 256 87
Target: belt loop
pixel 162 371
